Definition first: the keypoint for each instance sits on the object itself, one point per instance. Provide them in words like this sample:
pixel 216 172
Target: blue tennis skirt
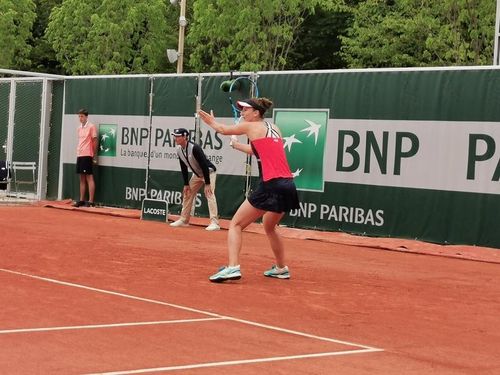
pixel 276 195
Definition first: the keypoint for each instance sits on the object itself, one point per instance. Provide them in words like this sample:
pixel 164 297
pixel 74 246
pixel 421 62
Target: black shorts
pixel 276 195
pixel 84 165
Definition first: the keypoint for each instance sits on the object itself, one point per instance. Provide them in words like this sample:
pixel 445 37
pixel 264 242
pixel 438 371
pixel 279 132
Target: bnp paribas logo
pixel 107 139
pixel 304 139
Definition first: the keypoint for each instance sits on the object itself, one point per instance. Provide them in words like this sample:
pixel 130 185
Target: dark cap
pixel 180 132
pixel 250 103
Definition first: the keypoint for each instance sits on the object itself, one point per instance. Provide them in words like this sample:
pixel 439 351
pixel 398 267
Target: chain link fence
pixel 25 116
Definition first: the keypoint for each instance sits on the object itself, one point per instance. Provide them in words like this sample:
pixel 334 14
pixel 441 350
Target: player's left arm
pixel 246 148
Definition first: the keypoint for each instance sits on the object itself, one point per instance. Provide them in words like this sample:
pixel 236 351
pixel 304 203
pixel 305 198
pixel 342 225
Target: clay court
pixel 88 291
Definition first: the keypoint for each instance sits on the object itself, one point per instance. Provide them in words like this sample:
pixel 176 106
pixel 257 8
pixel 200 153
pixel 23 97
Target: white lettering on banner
pixel 172 197
pixel 135 194
pixel 305 210
pixel 341 214
pixel 155 211
pixel 354 215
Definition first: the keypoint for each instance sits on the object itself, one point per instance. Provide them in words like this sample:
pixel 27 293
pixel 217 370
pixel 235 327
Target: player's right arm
pixel 238 129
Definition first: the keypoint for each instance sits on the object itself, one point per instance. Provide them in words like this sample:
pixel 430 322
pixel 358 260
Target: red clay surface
pixel 429 314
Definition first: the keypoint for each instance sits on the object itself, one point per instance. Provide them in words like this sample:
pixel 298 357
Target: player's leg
pixel 245 215
pixel 83 186
pixel 212 205
pixel 188 200
pixel 91 185
pixel 270 221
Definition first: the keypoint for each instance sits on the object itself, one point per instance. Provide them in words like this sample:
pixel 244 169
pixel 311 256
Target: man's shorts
pixel 84 165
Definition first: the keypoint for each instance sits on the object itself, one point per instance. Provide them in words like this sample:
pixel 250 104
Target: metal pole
pixel 10 128
pixel 182 28
pixel 497 35
pixel 151 96
pixel 197 123
pixel 248 165
pixel 42 170
pixel 30 74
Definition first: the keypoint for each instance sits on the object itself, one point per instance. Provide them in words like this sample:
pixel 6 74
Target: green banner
pixel 304 136
pixel 107 139
pixel 402 153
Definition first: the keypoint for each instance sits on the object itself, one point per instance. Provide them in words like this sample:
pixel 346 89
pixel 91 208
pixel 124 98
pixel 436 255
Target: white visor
pixel 243 104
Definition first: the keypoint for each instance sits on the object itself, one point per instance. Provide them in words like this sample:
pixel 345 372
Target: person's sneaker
pixel 179 223
pixel 279 273
pixel 213 226
pixel 226 273
pixel 79 204
pixel 89 204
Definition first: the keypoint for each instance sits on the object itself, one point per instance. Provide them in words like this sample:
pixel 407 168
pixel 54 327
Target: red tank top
pixel 271 156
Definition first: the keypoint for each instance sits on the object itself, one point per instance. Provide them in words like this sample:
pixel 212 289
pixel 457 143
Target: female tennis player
pixel 276 193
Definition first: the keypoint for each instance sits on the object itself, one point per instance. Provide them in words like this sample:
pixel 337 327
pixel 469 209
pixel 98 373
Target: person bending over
pixel 204 173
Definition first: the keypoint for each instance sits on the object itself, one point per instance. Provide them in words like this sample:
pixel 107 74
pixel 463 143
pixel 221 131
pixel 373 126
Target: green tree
pixel 246 34
pixel 16 20
pixel 109 37
pixel 466 34
pixel 318 42
pixel 399 33
pixel 43 57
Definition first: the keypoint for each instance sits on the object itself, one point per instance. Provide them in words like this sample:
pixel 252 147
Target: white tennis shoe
pixel 179 223
pixel 279 273
pixel 226 273
pixel 213 226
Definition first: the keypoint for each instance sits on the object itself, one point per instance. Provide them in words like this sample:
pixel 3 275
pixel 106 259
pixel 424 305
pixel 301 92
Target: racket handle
pixel 233 139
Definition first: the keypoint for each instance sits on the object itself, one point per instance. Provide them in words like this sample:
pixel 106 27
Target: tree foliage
pixel 398 33
pixel 16 21
pixel 131 36
pixel 108 36
pixel 317 44
pixel 246 34
pixel 43 56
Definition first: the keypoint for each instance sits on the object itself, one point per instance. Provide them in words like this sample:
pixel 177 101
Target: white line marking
pixel 91 326
pixel 240 362
pixel 111 293
pixel 274 328
pixel 284 330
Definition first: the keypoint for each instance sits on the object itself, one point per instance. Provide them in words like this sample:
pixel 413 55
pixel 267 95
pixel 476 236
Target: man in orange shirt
pixel 86 157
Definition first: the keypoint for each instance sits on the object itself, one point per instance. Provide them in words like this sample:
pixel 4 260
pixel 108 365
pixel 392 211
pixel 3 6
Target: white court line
pixel 274 328
pixel 91 326
pixel 240 362
pixel 111 293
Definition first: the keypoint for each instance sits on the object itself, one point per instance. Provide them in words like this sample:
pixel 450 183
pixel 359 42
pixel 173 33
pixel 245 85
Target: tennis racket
pixel 239 88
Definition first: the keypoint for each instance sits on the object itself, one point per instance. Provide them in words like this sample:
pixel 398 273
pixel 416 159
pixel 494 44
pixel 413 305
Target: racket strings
pixel 235 88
